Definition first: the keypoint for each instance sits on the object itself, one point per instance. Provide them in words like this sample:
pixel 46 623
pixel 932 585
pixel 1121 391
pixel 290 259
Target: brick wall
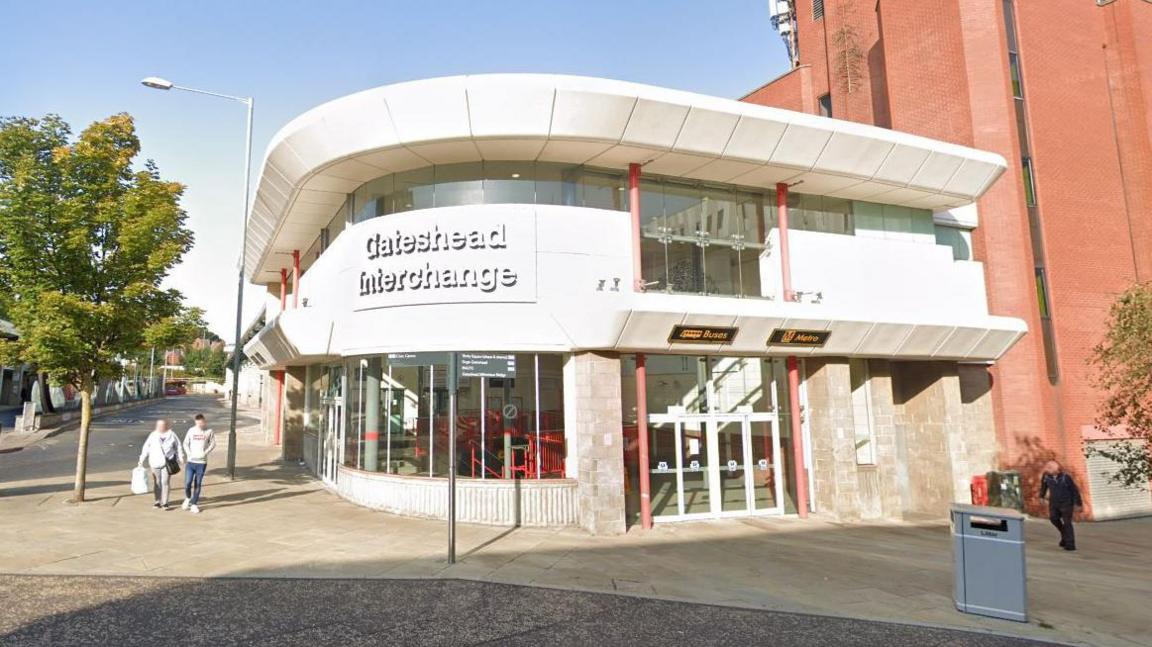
pixel 939 68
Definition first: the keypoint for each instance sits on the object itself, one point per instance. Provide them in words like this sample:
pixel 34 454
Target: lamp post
pixel 164 84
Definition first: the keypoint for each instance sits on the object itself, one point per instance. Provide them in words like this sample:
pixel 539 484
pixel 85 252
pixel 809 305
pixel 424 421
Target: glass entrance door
pixel 714 465
pixel 331 443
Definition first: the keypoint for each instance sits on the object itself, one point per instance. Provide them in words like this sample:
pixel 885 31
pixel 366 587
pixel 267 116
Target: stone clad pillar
pixel 595 439
pixel 292 440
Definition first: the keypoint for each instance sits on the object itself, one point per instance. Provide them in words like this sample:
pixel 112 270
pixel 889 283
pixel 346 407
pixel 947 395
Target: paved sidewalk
pixel 277 521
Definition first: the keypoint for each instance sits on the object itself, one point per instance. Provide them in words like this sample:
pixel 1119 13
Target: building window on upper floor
pixel 825 105
pixel 1029 181
pixel 865 435
pixel 960 240
pixel 820 213
pixel 894 222
pixel 817 9
pixel 1042 292
pixel 1014 72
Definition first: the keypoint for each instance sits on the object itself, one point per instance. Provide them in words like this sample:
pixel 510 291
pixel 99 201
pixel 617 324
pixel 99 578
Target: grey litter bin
pixel 988 554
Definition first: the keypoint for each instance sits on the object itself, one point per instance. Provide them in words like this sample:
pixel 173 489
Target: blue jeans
pixel 193 478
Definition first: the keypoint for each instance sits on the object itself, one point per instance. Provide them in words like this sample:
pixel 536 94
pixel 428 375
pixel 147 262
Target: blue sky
pixel 84 61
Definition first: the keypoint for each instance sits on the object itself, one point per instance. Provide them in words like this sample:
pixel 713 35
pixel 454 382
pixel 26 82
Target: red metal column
pixel 295 278
pixel 785 259
pixel 792 363
pixel 797 437
pixel 280 374
pixel 641 369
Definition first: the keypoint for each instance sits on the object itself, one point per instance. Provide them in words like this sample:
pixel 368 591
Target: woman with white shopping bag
pixel 165 456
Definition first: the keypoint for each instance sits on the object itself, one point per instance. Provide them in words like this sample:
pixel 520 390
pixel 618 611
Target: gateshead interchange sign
pixel 449 257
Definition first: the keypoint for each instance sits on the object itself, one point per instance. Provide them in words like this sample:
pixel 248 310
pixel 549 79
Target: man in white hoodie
pixel 161 446
pixel 198 443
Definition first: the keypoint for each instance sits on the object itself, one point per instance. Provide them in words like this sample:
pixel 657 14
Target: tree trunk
pixel 45 394
pixel 82 446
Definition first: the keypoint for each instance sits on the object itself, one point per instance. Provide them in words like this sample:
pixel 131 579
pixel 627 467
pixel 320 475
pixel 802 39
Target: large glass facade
pixel 398 419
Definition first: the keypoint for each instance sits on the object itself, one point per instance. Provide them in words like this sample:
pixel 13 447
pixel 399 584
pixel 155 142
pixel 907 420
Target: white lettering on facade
pixel 408 260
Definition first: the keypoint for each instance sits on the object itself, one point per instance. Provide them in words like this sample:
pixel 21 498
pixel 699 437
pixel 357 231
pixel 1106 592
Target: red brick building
pixel 1062 89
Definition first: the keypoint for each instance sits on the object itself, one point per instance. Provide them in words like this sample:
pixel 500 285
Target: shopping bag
pixel 140 481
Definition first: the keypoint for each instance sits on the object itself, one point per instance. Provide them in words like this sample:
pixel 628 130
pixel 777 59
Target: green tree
pixel 207 362
pixel 85 241
pixel 176 331
pixel 1124 372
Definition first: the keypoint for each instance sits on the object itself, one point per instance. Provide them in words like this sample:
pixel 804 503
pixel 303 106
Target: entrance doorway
pixel 719 437
pixel 331 445
pixel 715 465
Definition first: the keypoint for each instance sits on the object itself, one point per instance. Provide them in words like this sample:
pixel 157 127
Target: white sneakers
pixel 191 507
pixel 195 509
pixel 187 502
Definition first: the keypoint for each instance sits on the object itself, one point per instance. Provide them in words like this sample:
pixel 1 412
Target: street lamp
pixel 158 83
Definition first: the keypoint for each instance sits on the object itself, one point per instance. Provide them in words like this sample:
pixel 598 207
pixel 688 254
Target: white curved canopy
pixel 321 156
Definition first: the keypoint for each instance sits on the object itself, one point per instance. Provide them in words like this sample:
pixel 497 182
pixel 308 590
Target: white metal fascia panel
pixel 936 172
pixel 313 196
pixel 705 132
pixel 429 110
pixel 972 177
pixel 653 124
pixel 597 121
pixel 509 106
pixel 581 114
pixel 677 164
pixel 853 154
pixel 754 139
pixel 901 164
pixel 800 146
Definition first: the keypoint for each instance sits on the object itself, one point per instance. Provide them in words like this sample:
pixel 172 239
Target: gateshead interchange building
pixel 701 307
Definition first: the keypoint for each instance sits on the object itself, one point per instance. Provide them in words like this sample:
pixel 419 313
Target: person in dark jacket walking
pixel 1063 500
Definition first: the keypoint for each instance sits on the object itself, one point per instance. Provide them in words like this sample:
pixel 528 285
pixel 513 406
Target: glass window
pixel 555 184
pixel 757 214
pixel 1042 292
pixel 723 239
pixel 897 219
pixel 373 199
pixel 826 105
pixel 398 420
pixel 810 213
pixel 509 183
pixel 1014 72
pixel 958 239
pixel 458 184
pixel 862 412
pixel 682 209
pixel 413 190
pixel 338 222
pixel 1029 181
pixel 838 215
pixel 354 404
pixel 602 190
pixel 869 218
pixel 676 381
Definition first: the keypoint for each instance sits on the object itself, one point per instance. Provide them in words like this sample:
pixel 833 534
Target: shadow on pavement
pixel 152 611
pixel 50 488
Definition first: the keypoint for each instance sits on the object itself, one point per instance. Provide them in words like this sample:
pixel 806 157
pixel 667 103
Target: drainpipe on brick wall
pixel 792 363
pixel 641 368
